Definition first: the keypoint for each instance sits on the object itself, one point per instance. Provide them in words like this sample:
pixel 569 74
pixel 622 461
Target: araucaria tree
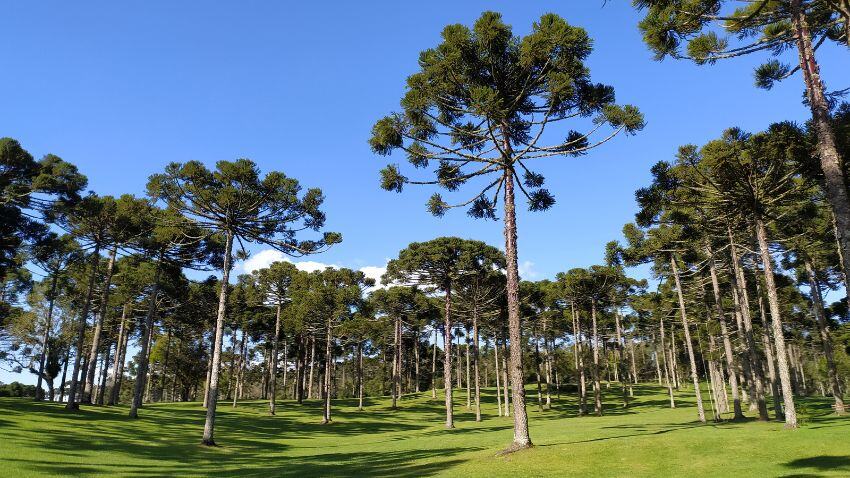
pixel 237 204
pixel 478 108
pixel 775 27
pixel 439 265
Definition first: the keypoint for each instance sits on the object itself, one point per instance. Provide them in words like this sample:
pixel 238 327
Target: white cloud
pixel 527 271
pixel 374 272
pixel 261 260
pixel 267 257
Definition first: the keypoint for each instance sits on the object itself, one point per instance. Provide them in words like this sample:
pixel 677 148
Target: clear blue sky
pixel 122 88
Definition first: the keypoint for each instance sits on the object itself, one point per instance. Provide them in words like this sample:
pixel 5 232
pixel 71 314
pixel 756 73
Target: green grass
pixel 648 439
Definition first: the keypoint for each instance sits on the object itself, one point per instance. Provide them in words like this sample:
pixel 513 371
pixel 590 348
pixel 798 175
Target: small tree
pixel 235 202
pixel 478 107
pixel 53 254
pixel 274 282
pixel 438 265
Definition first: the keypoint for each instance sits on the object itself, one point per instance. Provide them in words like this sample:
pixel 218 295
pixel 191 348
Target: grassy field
pixel 648 439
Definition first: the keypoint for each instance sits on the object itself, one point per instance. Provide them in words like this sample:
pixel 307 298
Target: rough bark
pixel 98 326
pixel 835 184
pixel 739 283
pixel 825 338
pixel 45 337
pixel 688 344
pixel 498 378
pixel 273 374
pixel 120 346
pixel 447 357
pixel 81 332
pixel 776 325
pixel 724 332
pixel 666 367
pixel 597 389
pixel 146 333
pixel 208 438
pixel 521 435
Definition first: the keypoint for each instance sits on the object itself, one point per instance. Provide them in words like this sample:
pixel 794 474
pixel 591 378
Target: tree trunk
pixel 826 340
pixel 475 364
pixel 326 384
pixel 506 397
pixel 666 367
pixel 104 372
pixel 146 333
pixel 416 343
pixel 468 366
pixel 835 184
pixel 621 346
pixel 727 344
pixel 579 356
pixel 101 316
pixel 498 378
pixel 212 395
pixel 521 436
pixel 776 323
pixel 45 337
pixel 64 374
pixel 81 332
pixel 597 389
pixel 275 345
pixel 360 376
pixel 434 367
pixel 739 284
pixel 165 365
pixel 312 366
pixel 688 345
pixel 120 345
pixel 539 373
pixel 447 357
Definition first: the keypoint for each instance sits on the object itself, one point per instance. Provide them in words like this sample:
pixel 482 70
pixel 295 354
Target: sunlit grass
pixel 648 439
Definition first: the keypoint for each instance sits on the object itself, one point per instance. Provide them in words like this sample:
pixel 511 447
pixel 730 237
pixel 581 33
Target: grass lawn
pixel 648 439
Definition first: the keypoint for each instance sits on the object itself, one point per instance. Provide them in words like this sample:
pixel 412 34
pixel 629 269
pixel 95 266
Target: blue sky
pixel 121 89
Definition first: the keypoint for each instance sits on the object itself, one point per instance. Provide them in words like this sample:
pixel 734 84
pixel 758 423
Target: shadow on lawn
pixel 819 463
pixel 166 439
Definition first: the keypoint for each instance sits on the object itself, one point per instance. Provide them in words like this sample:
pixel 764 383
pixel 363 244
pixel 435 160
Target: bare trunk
pixel 326 384
pixel 688 345
pixel 727 344
pixel 447 357
pixel 273 374
pixel 98 327
pixel 81 332
pixel 146 333
pixel 835 184
pixel 475 365
pixel 45 337
pixel 666 367
pixel 212 395
pixel 776 325
pixel 597 389
pixel 521 436
pixel 498 378
pixel 120 347
pixel 826 340
pixel 434 367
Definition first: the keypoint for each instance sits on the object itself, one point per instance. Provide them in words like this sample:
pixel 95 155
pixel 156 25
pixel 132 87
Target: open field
pixel 39 439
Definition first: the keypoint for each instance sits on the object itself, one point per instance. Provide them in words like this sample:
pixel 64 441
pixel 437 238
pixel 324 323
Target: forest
pixel 723 303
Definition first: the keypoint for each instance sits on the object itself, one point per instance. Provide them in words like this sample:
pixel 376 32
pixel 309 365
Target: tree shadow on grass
pixel 387 463
pixel 820 463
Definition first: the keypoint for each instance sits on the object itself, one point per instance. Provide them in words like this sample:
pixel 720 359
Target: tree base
pixel 515 447
pixel 209 442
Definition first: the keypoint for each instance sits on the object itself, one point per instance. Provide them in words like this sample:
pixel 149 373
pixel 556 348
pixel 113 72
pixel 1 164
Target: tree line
pixel 743 234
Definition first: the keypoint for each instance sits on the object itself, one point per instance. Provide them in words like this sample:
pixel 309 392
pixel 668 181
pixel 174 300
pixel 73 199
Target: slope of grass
pixel 647 439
